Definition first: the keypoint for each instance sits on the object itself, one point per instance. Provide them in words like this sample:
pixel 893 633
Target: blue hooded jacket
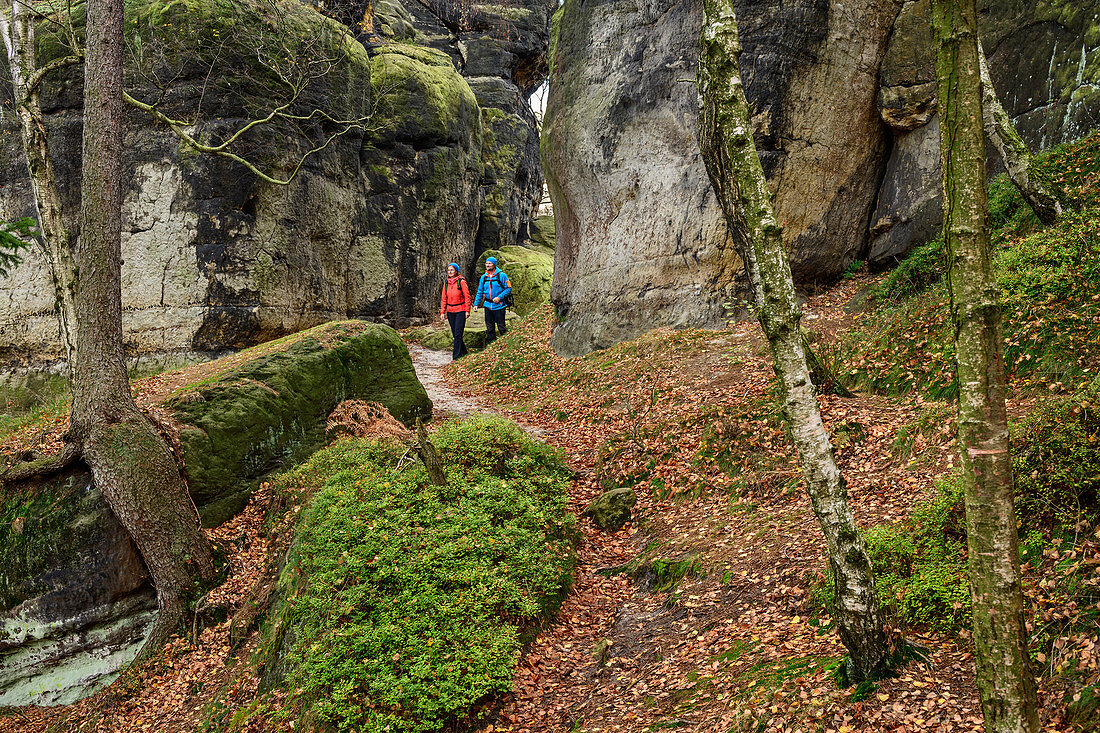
pixel 497 286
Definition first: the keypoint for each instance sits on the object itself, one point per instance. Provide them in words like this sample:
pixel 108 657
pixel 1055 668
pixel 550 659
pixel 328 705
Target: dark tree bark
pixel 726 141
pixel 428 454
pixel 131 463
pixel 1005 682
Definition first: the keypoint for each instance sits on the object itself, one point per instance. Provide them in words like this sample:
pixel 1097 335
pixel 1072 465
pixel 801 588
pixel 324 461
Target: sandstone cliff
pixel 844 125
pixel 216 259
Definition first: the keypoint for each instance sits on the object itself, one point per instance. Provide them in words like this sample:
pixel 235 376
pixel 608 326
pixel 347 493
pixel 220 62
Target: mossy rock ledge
pixel 75 599
pixel 270 412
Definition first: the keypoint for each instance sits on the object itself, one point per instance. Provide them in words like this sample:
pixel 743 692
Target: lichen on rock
pixel 75 601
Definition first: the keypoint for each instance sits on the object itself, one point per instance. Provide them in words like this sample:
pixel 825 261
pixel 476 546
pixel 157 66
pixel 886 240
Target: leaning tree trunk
pixel 55 238
pixel 1037 188
pixel 726 140
pixel 1005 683
pixel 131 463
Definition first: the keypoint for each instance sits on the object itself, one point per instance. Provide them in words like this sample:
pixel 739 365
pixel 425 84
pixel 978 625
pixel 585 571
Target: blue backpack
pixel 508 301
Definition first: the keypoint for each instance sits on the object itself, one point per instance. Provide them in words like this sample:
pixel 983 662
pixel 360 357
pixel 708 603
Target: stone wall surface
pixel 641 239
pixel 216 259
pixel 843 99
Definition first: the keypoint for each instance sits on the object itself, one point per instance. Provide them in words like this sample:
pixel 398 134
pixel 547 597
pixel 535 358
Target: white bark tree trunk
pixel 726 140
pixel 1005 683
pixel 1038 189
pixel 55 239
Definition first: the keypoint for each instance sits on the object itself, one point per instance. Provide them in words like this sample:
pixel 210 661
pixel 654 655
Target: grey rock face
pixel 909 209
pixel 1043 60
pixel 215 259
pixel 641 240
pixel 75 602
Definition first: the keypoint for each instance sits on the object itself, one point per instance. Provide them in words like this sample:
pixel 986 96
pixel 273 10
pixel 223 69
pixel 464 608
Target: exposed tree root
pixel 41 467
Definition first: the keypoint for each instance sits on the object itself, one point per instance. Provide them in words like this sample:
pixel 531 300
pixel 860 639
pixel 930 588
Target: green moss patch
pixel 531 272
pixel 1049 280
pixel 404 603
pixel 269 411
pixel 544 234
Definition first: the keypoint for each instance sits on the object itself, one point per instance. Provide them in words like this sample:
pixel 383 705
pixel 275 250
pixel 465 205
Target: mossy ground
pixel 407 603
pixel 1049 279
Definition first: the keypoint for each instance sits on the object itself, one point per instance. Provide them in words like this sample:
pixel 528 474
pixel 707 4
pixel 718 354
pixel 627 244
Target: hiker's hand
pixel 496 300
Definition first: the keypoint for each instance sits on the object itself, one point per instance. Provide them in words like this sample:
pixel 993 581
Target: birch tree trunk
pixel 1037 188
pixel 131 463
pixel 1005 683
pixel 726 140
pixel 56 241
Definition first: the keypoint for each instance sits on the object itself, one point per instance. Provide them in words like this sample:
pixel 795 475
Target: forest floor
pixel 738 643
pixel 700 614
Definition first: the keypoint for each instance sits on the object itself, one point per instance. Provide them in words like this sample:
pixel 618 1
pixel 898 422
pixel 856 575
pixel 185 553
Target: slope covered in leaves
pixel 724 621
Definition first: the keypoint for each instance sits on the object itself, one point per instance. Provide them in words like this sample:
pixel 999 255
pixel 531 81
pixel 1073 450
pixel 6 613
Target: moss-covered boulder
pixel 75 601
pixel 612 509
pixel 270 411
pixel 531 272
pixel 403 605
pixel 544 234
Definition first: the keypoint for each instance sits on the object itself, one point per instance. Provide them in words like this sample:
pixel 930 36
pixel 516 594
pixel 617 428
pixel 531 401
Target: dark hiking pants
pixel 494 319
pixel 458 325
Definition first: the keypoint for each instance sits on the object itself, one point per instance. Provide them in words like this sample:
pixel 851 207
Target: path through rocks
pixel 445 401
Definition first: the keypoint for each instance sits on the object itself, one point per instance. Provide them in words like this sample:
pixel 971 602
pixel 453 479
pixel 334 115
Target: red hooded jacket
pixel 456 296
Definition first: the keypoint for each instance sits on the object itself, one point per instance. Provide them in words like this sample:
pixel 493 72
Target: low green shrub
pixel 921 268
pixel 414 598
pixel 920 565
pixel 1056 462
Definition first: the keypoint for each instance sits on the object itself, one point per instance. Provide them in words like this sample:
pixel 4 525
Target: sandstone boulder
pixel 611 510
pixel 216 259
pixel 271 410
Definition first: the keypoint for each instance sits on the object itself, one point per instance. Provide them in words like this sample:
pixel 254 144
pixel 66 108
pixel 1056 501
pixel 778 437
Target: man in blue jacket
pixel 493 290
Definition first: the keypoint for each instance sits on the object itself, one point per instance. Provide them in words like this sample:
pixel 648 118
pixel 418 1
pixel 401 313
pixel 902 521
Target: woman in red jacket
pixel 455 305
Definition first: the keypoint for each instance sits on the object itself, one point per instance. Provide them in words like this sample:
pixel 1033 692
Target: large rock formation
pixel 501 51
pixel 217 259
pixel 641 240
pixel 851 157
pixel 1044 58
pixel 75 598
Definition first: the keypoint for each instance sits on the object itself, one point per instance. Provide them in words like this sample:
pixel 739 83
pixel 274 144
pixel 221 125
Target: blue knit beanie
pixel 491 259
pixel 455 265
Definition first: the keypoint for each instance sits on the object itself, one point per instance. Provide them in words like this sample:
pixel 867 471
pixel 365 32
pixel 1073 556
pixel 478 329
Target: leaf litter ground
pixel 697 616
